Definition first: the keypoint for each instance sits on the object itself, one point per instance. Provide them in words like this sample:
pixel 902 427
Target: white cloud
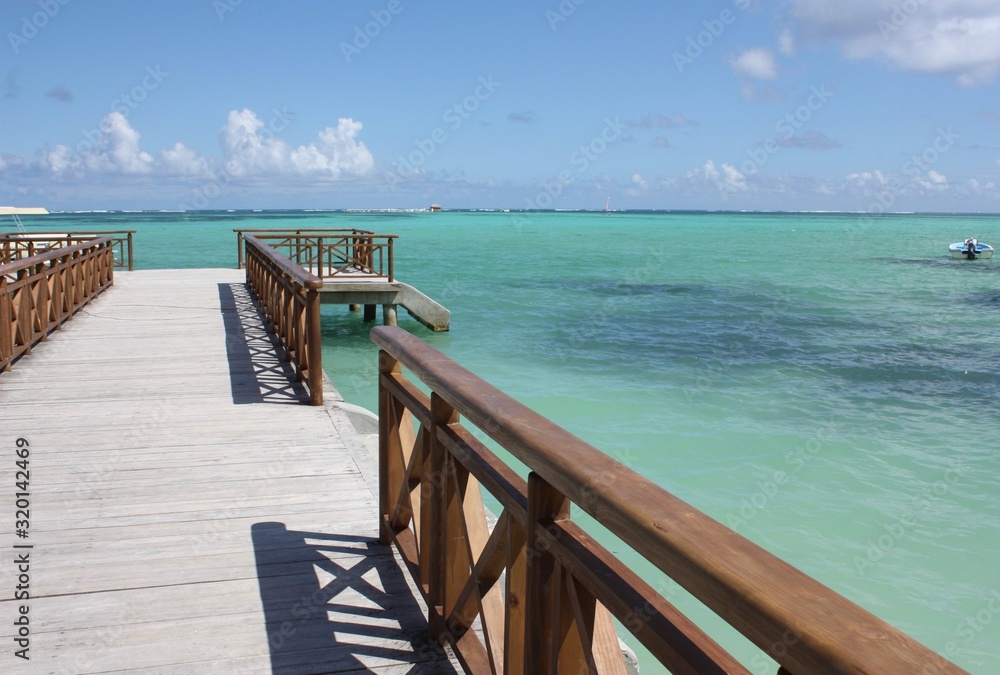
pixel 637 186
pixel 786 42
pixel 867 179
pixel 930 182
pixel 728 180
pixel 119 149
pixel 960 38
pixel 909 183
pixel 337 153
pixel 250 149
pixel 181 160
pixel 59 160
pixel 115 150
pixel 757 64
pixel 708 171
pixel 732 177
pixel 974 187
pixel 248 152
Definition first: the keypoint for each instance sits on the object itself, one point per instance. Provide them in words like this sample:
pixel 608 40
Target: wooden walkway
pixel 189 513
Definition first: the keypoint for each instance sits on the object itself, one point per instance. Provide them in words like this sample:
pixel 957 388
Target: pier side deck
pixel 188 511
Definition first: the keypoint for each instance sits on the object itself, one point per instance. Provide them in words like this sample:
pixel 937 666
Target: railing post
pixel 6 324
pixel 314 347
pixel 111 271
pixel 131 264
pixel 390 259
pixel 239 249
pixel 389 315
pixel 387 433
pixel 57 299
pixel 515 618
pixel 546 505
pixel 42 306
pixel 23 312
pixel 434 544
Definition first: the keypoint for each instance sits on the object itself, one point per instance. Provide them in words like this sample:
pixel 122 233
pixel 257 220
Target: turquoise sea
pixel 827 385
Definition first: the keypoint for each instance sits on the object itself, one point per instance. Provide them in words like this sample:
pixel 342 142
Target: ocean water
pixel 828 385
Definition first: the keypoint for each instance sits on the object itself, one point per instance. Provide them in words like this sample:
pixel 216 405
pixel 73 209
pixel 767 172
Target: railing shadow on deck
pixel 338 602
pixel 288 296
pixel 258 371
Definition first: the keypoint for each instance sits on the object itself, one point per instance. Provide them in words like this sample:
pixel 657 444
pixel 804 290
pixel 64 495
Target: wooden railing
pixel 18 245
pixel 289 297
pixel 550 612
pixel 40 293
pixel 333 252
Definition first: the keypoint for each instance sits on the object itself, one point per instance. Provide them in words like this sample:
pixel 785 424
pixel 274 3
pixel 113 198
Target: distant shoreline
pixel 506 211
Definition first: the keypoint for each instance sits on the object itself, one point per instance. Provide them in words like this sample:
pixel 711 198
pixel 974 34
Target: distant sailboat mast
pixel 607 207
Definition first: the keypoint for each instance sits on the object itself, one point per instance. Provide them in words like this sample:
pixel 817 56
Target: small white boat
pixel 971 249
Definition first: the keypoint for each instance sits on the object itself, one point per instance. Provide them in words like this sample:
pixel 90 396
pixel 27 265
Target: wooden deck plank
pixel 189 513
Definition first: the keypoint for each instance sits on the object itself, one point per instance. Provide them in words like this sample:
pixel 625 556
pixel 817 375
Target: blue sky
pixel 854 105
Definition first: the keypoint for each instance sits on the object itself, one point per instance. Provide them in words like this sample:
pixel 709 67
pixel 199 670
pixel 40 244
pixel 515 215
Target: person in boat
pixel 970 246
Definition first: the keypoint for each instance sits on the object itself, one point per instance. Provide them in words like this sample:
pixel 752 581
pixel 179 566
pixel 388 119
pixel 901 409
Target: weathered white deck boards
pixel 189 512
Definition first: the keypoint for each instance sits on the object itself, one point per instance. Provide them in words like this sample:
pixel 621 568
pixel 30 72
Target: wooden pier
pixel 355 267
pixel 175 508
pixel 187 512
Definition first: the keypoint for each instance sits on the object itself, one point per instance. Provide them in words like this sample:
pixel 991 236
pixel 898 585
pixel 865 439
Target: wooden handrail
pixel 260 232
pixel 301 276
pixel 802 624
pixel 38 294
pixel 289 296
pixel 331 253
pixel 17 245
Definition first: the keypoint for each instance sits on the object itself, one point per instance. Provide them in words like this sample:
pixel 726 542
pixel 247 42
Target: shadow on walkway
pixel 258 371
pixel 337 603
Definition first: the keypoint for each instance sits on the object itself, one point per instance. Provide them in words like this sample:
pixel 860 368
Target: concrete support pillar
pixel 389 315
pixel 369 312
pixel 355 308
